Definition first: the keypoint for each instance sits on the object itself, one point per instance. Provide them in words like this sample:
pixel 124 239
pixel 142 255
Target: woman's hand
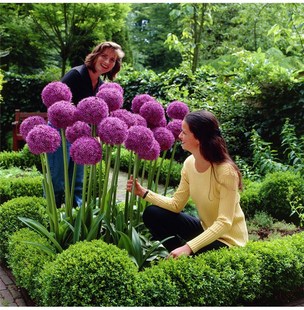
pixel 183 250
pixel 138 189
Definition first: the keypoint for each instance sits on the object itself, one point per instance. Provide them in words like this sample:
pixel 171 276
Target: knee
pixel 150 214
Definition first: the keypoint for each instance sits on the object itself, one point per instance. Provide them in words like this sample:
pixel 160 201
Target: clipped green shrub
pixel 89 274
pixel 250 200
pixel 30 207
pixel 18 187
pixel 274 194
pixel 154 288
pixel 27 260
pixel 280 268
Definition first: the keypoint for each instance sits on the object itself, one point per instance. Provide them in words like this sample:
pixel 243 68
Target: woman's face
pixel 105 61
pixel 189 142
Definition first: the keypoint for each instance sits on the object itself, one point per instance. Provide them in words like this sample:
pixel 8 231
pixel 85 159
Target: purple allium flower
pixel 43 139
pixel 111 85
pixel 92 110
pixel 125 116
pixel 29 123
pixel 55 91
pixel 177 110
pixel 112 130
pixel 112 97
pixel 139 139
pixel 164 137
pixel 86 151
pixel 62 114
pixel 77 130
pixel 162 123
pixel 175 126
pixel 140 120
pixel 153 112
pixel 151 154
pixel 139 100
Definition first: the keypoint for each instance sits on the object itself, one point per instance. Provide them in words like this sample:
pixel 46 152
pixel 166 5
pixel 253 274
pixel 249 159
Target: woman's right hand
pixel 138 189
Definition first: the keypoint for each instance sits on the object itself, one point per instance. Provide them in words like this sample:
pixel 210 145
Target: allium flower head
pixel 125 116
pixel 140 120
pixel 175 126
pixel 62 114
pixel 151 154
pixel 43 139
pixel 164 137
pixel 139 100
pixel 112 97
pixel 55 91
pixel 153 112
pixel 112 130
pixel 161 123
pixel 177 110
pixel 86 151
pixel 111 85
pixel 139 139
pixel 77 130
pixel 29 123
pixel 92 110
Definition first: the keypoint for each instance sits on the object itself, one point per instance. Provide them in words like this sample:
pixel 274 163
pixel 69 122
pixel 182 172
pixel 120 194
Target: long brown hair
pixel 205 128
pixel 91 59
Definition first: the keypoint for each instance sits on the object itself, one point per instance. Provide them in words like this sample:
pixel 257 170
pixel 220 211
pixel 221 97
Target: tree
pixel 72 27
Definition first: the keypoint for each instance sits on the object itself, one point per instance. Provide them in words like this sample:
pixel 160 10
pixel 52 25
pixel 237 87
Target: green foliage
pixel 250 200
pixel 33 207
pixel 274 194
pixel 88 274
pixel 26 259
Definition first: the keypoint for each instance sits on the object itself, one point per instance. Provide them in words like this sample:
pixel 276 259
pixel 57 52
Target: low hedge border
pixel 98 274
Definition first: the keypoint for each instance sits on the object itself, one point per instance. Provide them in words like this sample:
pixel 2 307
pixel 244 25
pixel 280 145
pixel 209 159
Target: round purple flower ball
pixel 177 110
pixel 92 110
pixel 77 130
pixel 112 130
pixel 139 100
pixel 162 123
pixel 55 91
pixel 62 114
pixel 29 123
pixel 125 116
pixel 175 126
pixel 140 120
pixel 164 137
pixel 86 151
pixel 43 139
pixel 153 112
pixel 139 139
pixel 111 85
pixel 112 97
pixel 151 154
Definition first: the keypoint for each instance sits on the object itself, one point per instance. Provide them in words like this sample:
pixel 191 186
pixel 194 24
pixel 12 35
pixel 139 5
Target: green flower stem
pixel 73 183
pixel 159 170
pixel 100 184
pixel 170 167
pixel 127 193
pixel 106 178
pixel 115 176
pixel 68 206
pixel 89 191
pixel 84 191
pixel 53 212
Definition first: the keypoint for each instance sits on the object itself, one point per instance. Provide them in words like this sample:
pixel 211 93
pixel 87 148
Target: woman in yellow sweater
pixel 211 178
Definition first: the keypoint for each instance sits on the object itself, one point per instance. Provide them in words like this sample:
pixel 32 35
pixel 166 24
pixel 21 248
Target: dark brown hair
pixel 205 128
pixel 91 59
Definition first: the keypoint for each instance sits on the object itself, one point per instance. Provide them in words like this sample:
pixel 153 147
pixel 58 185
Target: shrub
pixel 17 187
pixel 275 197
pixel 89 274
pixel 250 200
pixel 27 260
pixel 31 207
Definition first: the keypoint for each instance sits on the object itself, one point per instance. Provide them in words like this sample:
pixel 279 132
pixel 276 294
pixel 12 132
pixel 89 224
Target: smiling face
pixel 105 61
pixel 189 142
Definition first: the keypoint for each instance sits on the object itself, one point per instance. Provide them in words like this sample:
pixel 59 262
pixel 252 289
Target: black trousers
pixel 183 227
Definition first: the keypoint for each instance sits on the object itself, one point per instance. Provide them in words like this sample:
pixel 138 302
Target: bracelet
pixel 145 194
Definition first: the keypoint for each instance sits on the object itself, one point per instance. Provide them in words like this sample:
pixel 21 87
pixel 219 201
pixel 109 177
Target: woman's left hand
pixel 183 250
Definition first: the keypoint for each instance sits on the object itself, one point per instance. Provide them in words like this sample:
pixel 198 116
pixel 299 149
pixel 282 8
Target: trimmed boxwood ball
pixel 89 274
pixel 30 207
pixel 27 260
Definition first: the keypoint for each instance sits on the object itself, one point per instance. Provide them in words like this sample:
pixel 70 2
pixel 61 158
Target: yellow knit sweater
pixel 215 194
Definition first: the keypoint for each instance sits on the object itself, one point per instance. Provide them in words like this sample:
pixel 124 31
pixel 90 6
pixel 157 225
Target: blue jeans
pixel 57 172
pixel 163 223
